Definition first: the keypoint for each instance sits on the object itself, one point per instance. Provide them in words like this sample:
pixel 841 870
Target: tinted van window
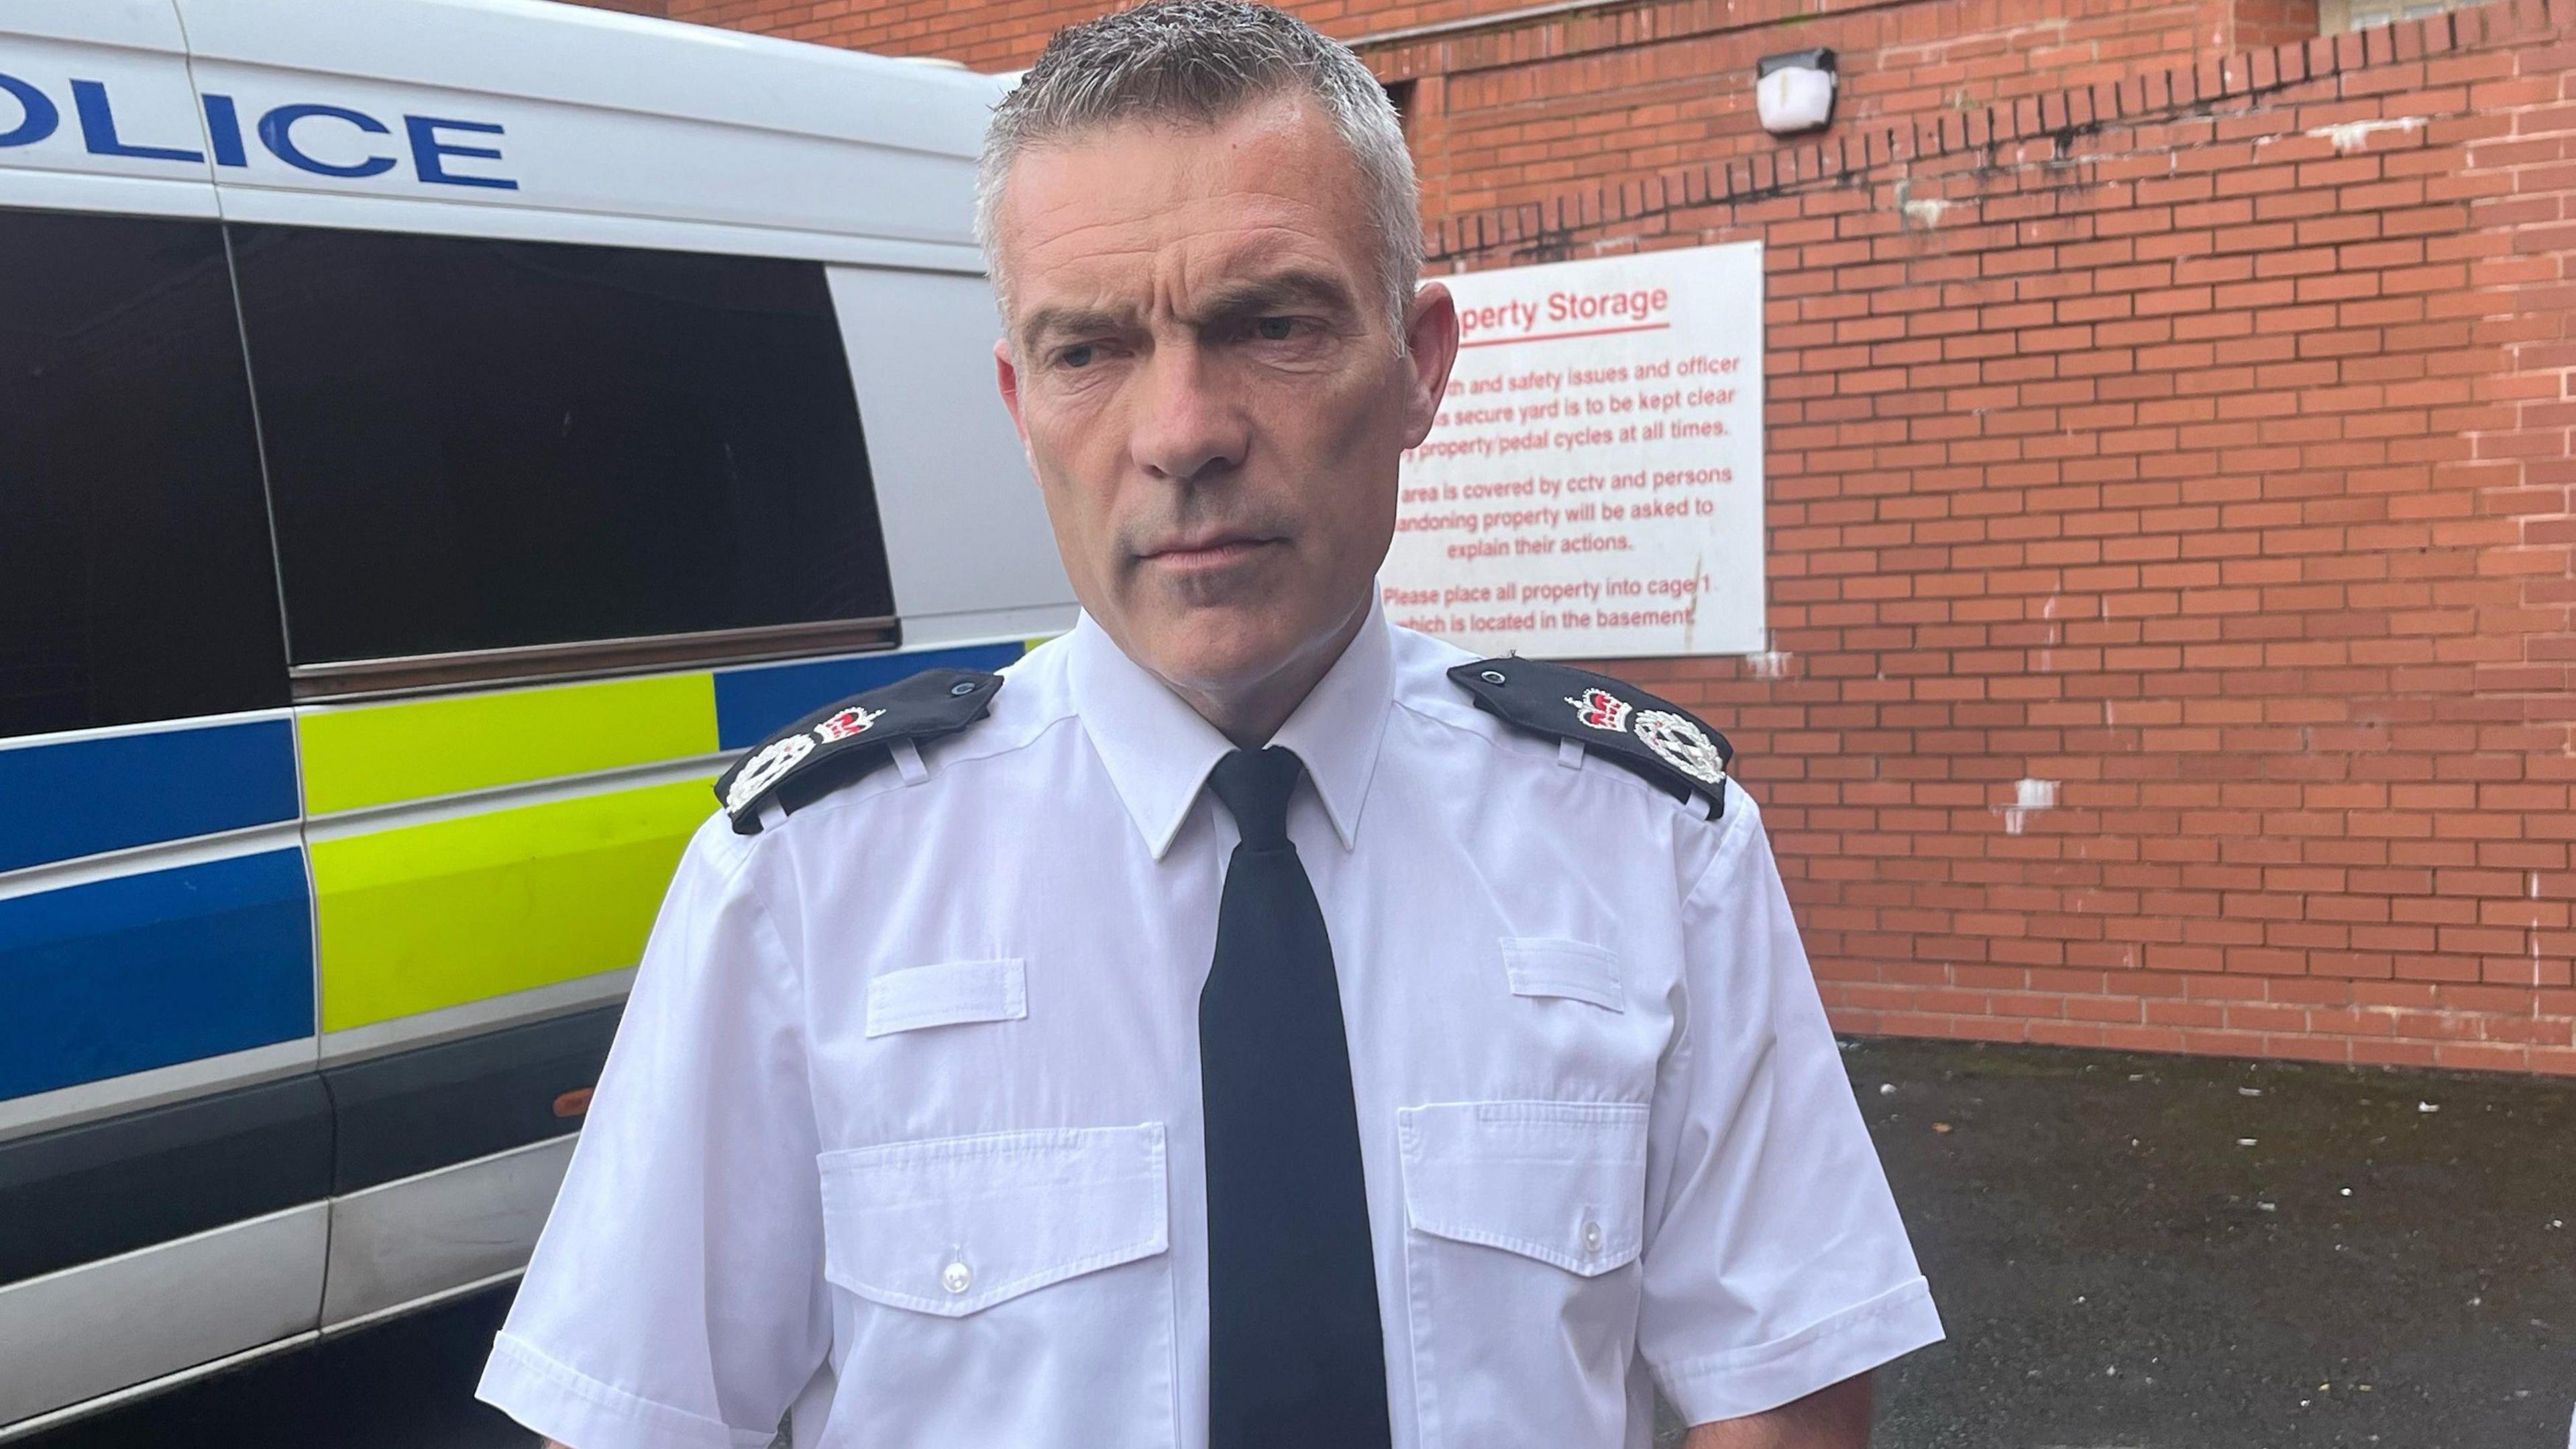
pixel 482 444
pixel 136 580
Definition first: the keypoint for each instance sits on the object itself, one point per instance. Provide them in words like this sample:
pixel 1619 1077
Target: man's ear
pixel 1006 375
pixel 1431 346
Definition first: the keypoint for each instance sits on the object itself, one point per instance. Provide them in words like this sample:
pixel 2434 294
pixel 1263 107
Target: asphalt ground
pixel 2129 1253
pixel 2167 1253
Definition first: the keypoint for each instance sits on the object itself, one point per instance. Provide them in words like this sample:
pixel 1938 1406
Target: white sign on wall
pixel 1593 487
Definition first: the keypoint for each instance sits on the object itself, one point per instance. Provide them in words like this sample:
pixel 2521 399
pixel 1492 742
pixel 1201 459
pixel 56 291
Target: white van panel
pixel 124 195
pixel 597 113
pixel 562 157
pixel 525 223
pixel 61 153
pixel 407 1240
pixel 539 50
pixel 966 533
pixel 96 1328
pixel 137 24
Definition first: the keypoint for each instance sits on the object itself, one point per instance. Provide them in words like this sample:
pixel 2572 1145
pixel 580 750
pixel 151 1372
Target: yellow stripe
pixel 440 914
pixel 380 754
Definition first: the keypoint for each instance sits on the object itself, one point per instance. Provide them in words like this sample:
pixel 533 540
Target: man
pixel 1255 1025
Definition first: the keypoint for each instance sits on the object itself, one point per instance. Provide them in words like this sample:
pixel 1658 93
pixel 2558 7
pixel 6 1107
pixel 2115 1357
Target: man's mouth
pixel 1211 552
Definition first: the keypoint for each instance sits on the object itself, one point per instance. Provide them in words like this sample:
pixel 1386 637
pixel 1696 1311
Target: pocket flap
pixel 1548 966
pixel 947 993
pixel 1562 1182
pixel 958 1224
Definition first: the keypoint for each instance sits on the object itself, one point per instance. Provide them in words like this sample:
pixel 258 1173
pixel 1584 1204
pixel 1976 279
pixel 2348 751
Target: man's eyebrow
pixel 1075 321
pixel 1233 299
pixel 1275 289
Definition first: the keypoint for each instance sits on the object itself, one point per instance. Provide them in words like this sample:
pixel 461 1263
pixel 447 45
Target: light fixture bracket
pixel 1794 90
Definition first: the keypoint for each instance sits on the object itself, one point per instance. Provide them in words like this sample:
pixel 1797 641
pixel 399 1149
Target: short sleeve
pixel 675 1300
pixel 1775 1263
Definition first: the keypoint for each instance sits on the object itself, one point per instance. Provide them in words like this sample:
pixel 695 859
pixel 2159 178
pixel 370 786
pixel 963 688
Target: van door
pixel 164 1143
pixel 540 508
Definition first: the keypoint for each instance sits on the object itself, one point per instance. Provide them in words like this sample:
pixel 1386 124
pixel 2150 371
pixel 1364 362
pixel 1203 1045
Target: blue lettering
pixel 98 128
pixel 431 152
pixel 427 150
pixel 223 127
pixel 277 133
pixel 40 119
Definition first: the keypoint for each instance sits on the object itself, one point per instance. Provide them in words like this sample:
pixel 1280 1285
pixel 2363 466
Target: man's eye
pixel 1276 329
pixel 1075 356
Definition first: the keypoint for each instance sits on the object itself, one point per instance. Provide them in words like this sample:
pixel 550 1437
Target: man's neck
pixel 1251 715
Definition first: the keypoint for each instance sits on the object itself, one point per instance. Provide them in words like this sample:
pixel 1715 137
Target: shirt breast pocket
pixel 1013 1288
pixel 948 993
pixel 1525 1223
pixel 1571 970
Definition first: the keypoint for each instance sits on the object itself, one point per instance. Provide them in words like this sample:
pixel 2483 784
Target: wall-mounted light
pixel 1795 91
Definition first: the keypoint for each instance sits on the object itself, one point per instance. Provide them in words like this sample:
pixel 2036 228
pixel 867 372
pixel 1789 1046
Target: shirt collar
pixel 1158 750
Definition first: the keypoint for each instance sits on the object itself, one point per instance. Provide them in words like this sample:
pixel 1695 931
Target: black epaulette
pixel 843 742
pixel 1624 725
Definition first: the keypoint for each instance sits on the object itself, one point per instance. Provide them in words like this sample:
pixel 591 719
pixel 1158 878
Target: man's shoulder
pixel 1525 714
pixel 921 727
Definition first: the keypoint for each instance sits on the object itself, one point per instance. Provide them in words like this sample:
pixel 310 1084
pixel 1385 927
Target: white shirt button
pixel 1591 1237
pixel 955 1278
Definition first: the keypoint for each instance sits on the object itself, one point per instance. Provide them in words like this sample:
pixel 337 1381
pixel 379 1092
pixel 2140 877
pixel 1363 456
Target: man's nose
pixel 1188 425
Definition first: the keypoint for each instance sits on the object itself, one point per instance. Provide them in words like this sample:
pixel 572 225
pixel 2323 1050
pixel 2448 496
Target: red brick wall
pixel 1006 34
pixel 1518 114
pixel 2178 420
pixel 994 35
pixel 2201 446
pixel 1514 112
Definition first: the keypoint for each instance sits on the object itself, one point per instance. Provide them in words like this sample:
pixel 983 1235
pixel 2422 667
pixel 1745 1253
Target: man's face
pixel 1199 365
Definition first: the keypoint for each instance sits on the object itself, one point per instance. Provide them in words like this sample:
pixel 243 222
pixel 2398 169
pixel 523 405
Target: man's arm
pixel 1834 1418
pixel 1774 1257
pixel 675 1281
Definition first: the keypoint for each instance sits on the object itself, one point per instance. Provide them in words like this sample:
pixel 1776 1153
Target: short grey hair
pixel 1201 62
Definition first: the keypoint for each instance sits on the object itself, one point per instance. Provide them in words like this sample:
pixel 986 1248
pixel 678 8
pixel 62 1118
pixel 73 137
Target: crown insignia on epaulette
pixel 1653 738
pixel 844 742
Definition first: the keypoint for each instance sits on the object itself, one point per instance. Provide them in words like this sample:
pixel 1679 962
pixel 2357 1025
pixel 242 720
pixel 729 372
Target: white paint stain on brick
pixel 1924 212
pixel 1769 664
pixel 2029 798
pixel 2353 135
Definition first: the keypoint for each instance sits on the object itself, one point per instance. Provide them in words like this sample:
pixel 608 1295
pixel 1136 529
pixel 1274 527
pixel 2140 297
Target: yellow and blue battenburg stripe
pixel 385 754
pixel 91 795
pixel 460 848
pixel 154 967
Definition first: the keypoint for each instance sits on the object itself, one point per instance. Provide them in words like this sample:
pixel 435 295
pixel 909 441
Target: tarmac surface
pixel 2166 1253
pixel 2129 1253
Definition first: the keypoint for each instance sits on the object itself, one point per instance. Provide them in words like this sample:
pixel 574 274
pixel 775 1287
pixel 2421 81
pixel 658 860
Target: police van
pixel 433 435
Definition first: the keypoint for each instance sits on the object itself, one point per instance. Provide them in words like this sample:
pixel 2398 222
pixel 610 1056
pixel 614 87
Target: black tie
pixel 1296 1359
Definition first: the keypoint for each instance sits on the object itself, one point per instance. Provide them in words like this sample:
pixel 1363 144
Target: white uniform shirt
pixel 903 1121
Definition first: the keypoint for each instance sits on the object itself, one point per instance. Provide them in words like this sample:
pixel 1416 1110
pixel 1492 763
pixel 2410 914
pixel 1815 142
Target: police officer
pixel 1243 1022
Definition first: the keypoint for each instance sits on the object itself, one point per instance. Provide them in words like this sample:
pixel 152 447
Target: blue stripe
pixel 753 704
pixel 147 970
pixel 85 796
